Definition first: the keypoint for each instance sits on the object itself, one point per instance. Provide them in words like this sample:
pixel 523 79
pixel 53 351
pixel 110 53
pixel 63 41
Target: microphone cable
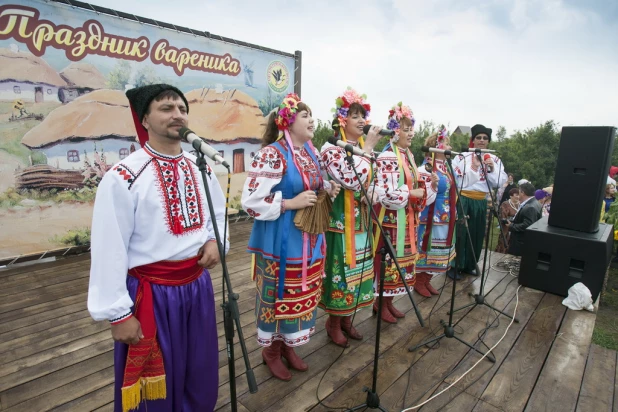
pixel 477 362
pixel 368 227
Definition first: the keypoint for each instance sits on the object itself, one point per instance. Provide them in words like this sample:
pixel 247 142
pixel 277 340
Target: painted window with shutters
pixel 73 156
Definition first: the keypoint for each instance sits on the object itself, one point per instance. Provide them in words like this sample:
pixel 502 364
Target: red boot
pixel 392 309
pixel 293 359
pixel 421 284
pixel 430 288
pixel 272 359
pixel 333 330
pixel 346 326
pixel 386 314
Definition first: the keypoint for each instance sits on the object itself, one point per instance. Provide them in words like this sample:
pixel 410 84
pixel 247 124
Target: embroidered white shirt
pixel 141 202
pixel 462 165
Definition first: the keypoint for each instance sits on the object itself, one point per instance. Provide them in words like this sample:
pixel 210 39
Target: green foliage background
pixel 529 154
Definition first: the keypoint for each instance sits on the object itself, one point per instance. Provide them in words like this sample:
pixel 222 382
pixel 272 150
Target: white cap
pixel 522 181
pixel 611 181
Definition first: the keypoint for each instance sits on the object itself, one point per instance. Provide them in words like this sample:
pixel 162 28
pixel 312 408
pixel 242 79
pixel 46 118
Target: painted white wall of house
pixel 27 92
pixel 57 154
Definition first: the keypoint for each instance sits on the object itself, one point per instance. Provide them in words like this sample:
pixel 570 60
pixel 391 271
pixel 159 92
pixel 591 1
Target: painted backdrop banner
pixel 65 120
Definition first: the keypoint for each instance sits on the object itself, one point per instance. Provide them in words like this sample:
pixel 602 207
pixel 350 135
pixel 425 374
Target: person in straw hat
pixel 152 245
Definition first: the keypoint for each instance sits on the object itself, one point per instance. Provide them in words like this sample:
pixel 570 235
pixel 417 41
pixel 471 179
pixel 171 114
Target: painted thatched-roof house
pixel 23 76
pixel 98 123
pixel 230 121
pixel 81 78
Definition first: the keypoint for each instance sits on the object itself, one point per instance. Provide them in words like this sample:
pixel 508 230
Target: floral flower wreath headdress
pixel 286 114
pixel 441 140
pixel 343 103
pixel 398 112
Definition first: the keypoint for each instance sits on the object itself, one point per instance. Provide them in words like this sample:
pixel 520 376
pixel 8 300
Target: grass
pixel 235 203
pixel 13 132
pixel 494 234
pixel 74 237
pixel 606 327
pixel 12 197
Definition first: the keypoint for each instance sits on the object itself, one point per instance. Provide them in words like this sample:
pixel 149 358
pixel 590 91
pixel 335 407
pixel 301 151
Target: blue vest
pixel 280 239
pixel 442 195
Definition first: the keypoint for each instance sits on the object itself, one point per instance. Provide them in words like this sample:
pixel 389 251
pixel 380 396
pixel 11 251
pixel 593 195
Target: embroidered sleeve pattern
pixel 466 174
pixel 498 176
pixel 419 203
pixel 112 227
pixel 391 195
pixel 266 171
pixel 425 177
pixel 127 174
pixel 333 158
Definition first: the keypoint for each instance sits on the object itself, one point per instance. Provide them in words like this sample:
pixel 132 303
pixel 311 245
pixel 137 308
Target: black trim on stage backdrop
pixel 298 61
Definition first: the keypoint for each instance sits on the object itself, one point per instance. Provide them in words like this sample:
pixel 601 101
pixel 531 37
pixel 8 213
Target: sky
pixel 512 63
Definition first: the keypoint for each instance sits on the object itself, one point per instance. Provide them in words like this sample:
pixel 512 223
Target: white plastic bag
pixel 579 298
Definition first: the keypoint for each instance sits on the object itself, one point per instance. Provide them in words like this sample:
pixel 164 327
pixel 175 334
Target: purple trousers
pixel 187 334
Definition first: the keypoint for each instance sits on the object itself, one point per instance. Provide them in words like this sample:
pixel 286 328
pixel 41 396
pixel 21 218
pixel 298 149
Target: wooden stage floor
pixel 54 357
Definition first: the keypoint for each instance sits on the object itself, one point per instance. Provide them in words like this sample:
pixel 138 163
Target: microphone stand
pixel 479 298
pixel 449 328
pixel 230 307
pixel 373 399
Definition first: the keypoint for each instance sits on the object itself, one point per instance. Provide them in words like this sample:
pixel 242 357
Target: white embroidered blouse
pixel 462 165
pixel 267 169
pixel 141 203
pixel 333 158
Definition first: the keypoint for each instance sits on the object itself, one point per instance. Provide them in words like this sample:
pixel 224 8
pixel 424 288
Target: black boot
pixel 451 274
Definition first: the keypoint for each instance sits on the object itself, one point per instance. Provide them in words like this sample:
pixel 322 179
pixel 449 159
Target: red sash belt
pixel 144 374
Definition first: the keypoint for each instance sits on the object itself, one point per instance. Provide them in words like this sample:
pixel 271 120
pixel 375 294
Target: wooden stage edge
pixel 53 356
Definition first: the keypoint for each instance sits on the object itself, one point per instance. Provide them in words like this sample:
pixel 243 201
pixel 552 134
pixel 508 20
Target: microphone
pixel 201 146
pixel 383 132
pixel 472 149
pixel 349 148
pixel 434 150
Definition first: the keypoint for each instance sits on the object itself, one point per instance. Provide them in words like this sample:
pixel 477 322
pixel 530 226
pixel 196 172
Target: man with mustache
pixel 474 196
pixel 152 245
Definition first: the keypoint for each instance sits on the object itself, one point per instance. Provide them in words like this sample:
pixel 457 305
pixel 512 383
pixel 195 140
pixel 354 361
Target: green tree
pixel 146 76
pixel 531 154
pixel 321 134
pixel 501 134
pixel 421 133
pixel 119 77
pixel 269 102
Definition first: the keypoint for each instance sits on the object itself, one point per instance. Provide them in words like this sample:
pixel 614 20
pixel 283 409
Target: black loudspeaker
pixel 584 159
pixel 554 259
